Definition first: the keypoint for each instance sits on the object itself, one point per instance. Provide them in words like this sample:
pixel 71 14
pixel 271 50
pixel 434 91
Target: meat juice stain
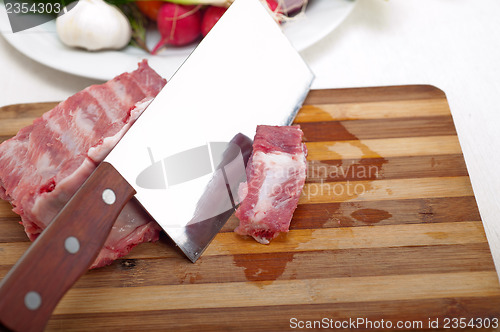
pixel 263 269
pixel 371 216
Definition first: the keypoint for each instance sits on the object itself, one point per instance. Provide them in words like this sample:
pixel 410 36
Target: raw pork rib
pixel 46 162
pixel 276 173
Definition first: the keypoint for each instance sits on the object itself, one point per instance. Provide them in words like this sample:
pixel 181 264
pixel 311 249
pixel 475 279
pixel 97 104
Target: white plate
pixel 42 45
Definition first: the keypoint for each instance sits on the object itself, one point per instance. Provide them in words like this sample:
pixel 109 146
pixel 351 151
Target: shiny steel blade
pixel 179 155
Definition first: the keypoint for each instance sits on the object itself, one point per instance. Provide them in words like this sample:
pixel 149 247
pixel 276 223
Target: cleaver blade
pixel 243 73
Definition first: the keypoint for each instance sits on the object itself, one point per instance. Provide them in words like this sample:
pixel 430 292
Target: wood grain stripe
pixel 382 168
pixel 335 238
pixel 352 191
pixel 298 292
pixel 12 231
pixel 4 138
pixel 12 251
pixel 409 93
pixel 355 237
pixel 25 110
pixel 277 318
pixel 386 147
pixel 370 129
pixel 372 110
pixel 299 265
pixel 362 213
pixel 310 240
pixel 12 126
pixel 6 210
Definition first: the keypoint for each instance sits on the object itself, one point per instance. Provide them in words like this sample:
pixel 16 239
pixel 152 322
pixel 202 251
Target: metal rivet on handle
pixel 72 245
pixel 108 196
pixel 32 300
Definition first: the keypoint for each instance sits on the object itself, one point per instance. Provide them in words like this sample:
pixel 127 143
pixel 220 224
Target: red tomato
pixel 149 8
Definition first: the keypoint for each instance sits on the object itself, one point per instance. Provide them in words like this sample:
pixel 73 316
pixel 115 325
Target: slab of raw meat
pixel 276 173
pixel 46 162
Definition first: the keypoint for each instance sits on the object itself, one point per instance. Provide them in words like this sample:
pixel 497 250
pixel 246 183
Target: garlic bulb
pixel 94 25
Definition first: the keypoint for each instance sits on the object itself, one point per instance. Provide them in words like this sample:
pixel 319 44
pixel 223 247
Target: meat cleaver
pixel 182 160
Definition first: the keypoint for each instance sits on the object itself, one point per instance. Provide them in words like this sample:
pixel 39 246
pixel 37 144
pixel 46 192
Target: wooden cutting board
pixel 387 228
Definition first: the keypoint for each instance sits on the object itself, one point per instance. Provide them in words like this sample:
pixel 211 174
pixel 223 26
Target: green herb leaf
pixel 138 22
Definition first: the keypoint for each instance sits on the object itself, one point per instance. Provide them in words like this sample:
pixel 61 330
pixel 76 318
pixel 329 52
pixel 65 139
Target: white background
pixel 452 44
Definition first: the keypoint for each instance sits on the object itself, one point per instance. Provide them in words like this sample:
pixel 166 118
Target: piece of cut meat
pixel 45 163
pixel 276 173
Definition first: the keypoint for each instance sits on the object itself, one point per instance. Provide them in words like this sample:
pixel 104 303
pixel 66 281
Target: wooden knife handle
pixel 63 252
